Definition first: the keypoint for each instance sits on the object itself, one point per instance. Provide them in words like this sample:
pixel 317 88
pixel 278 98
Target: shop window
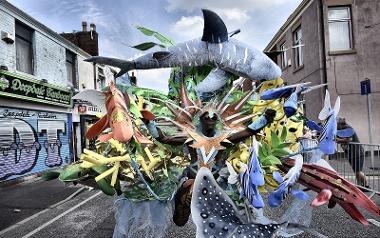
pixel 24 48
pixel 298 47
pixel 70 69
pixel 340 28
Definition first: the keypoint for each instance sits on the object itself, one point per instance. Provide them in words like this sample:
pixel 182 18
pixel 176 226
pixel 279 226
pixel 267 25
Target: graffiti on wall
pixel 32 141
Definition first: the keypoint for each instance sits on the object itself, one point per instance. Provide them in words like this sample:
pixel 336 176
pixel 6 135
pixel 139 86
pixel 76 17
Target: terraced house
pixel 335 42
pixel 40 70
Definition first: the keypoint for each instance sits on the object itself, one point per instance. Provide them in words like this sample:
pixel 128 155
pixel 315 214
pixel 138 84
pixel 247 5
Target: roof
pixel 19 14
pixel 289 22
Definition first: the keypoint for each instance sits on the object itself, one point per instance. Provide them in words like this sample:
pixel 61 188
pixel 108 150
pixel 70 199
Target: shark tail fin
pixel 123 65
pixel 214 29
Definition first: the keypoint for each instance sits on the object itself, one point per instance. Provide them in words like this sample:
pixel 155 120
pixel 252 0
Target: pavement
pixel 89 214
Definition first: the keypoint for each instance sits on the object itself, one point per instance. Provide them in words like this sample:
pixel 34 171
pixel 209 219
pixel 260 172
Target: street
pixel 89 214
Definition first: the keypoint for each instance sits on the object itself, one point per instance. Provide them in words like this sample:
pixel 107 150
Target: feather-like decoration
pixel 286 184
pixel 233 177
pixel 250 179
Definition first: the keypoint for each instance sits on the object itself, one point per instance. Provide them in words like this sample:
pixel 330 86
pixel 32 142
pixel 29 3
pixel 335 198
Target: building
pixel 39 72
pixel 335 42
pixel 84 113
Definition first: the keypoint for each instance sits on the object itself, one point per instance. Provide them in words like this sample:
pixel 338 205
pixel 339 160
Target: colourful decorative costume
pixel 211 146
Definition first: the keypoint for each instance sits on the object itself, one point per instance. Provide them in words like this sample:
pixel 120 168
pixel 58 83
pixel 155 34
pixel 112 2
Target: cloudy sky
pixel 181 20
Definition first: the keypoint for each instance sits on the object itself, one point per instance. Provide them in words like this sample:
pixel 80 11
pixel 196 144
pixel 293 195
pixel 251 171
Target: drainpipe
pixel 322 22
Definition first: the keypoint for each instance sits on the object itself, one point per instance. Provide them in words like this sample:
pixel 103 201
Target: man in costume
pixel 356 155
pixel 207 127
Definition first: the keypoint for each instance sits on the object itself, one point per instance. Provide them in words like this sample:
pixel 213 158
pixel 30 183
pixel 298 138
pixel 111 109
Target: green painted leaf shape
pixel 284 134
pixel 280 152
pixel 106 187
pixel 147 45
pixel 71 172
pixel 271 160
pixel 275 139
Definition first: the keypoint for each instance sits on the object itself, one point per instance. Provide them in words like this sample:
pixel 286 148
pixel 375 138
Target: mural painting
pixel 32 141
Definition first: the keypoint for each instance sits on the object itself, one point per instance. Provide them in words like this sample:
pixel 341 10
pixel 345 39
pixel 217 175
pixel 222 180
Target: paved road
pixel 22 200
pixel 90 214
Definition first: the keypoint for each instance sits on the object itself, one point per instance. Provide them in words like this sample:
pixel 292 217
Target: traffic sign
pixel 365 87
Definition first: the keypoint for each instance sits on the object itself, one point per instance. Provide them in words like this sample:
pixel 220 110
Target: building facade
pixel 39 72
pixel 335 42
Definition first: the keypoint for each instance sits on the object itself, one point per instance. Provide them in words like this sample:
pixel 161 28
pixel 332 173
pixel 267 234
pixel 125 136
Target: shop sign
pixel 85 108
pixel 17 86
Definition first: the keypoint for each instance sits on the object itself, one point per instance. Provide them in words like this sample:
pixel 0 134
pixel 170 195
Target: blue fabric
pixel 258 124
pixel 345 133
pixel 277 196
pixel 290 105
pixel 327 141
pixel 313 125
pixel 275 93
pixel 152 128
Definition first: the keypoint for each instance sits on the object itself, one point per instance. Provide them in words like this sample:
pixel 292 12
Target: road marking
pixel 41 212
pixel 61 215
pixel 374 222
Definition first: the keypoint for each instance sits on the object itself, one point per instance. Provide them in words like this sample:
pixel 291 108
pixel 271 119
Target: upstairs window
pixel 101 78
pixel 24 48
pixel 283 57
pixel 298 47
pixel 70 69
pixel 340 28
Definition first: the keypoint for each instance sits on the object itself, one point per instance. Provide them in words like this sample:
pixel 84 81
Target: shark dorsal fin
pixel 214 29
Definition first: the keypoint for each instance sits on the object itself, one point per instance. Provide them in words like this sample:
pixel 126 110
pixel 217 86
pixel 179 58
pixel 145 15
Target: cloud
pixel 249 5
pixel 154 79
pixel 234 14
pixel 189 27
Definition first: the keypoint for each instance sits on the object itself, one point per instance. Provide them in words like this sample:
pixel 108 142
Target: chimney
pixel 84 26
pixel 133 79
pixel 92 27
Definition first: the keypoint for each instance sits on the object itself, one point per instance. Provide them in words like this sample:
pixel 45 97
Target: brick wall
pixel 85 73
pixel 7 51
pixel 50 58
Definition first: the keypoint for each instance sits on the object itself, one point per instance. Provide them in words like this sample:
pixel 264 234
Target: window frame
pixel 72 62
pixel 297 51
pixel 283 55
pixel 350 29
pixel 19 24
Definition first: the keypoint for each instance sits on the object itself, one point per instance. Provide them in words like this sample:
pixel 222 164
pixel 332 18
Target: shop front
pixel 33 139
pixel 84 116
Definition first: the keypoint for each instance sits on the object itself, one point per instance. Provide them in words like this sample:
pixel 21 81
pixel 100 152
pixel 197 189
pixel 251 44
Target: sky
pixel 181 20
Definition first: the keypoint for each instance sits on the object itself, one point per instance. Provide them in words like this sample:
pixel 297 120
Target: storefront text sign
pixel 13 85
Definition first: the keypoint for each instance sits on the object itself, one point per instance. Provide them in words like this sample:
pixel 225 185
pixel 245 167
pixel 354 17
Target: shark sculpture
pixel 216 216
pixel 214 48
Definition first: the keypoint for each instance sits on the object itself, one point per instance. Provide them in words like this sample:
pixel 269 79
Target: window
pixel 284 60
pixel 298 50
pixel 340 28
pixel 70 69
pixel 24 48
pixel 101 78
